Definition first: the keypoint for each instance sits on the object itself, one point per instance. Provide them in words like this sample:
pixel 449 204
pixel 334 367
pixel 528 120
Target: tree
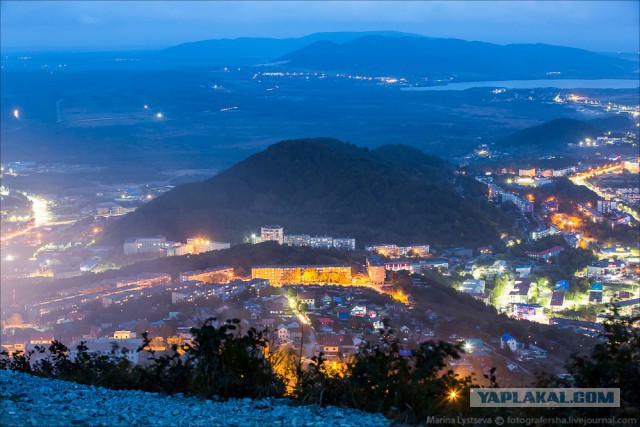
pixel 613 363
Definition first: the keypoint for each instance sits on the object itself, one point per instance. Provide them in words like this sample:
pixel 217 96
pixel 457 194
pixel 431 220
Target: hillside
pixel 615 123
pixel 468 60
pixel 30 400
pixel 321 186
pixel 549 137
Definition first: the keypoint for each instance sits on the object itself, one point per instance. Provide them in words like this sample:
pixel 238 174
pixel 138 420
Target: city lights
pixel 40 208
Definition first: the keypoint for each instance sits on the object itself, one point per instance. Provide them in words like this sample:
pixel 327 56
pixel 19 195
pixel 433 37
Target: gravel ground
pixel 29 400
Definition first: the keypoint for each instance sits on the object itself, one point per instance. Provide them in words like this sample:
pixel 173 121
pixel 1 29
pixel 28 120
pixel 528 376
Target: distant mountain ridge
pixel 405 54
pixel 468 60
pixel 253 50
pixel 322 186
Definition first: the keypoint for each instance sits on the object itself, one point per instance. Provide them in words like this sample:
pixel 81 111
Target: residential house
pixel 624 295
pixel 473 286
pixel 606 267
pixel 510 342
pixel 308 298
pixel 329 344
pixel 343 313
pixel 521 291
pixel 359 311
pixel 595 297
pixel 378 323
pixel 275 308
pixel 523 271
pixel 546 254
pixel 326 299
pixel 325 321
pixel 283 333
pixel 557 301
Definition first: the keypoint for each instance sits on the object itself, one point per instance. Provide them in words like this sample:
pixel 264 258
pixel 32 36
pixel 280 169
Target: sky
pixel 113 25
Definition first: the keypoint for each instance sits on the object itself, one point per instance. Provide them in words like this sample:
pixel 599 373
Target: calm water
pixel 533 84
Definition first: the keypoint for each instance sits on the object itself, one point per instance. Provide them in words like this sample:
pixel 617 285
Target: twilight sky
pixel 88 25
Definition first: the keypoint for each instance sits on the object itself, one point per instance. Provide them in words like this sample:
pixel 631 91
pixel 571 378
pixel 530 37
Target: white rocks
pixel 29 400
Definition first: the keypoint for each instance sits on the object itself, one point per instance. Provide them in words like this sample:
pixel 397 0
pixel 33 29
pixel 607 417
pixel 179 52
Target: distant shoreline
pixel 536 84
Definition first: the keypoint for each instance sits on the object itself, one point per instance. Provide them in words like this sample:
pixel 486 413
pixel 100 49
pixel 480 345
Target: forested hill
pixel 322 186
pixel 549 137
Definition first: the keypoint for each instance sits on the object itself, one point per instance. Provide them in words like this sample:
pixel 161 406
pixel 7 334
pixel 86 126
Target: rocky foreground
pixel 29 400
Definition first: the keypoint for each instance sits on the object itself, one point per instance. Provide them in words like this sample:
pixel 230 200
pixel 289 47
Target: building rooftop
pixel 547 251
pixel 300 266
pixel 557 299
pixel 604 263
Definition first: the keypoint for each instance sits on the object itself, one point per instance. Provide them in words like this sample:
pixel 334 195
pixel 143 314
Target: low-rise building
pixel 347 243
pixel 272 233
pixel 523 270
pixel 510 342
pixel 541 181
pixel 606 267
pixel 330 345
pixel 573 239
pixel 297 240
pixel 203 245
pixel 308 298
pixel 321 242
pixel 590 213
pixel 521 291
pixel 292 274
pixel 376 270
pixel 524 206
pixel 475 286
pixel 435 264
pixel 402 266
pixel 539 234
pixel 547 253
pixel 394 251
pixel 143 245
pixel 215 273
pixel 557 301
pixel 112 348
